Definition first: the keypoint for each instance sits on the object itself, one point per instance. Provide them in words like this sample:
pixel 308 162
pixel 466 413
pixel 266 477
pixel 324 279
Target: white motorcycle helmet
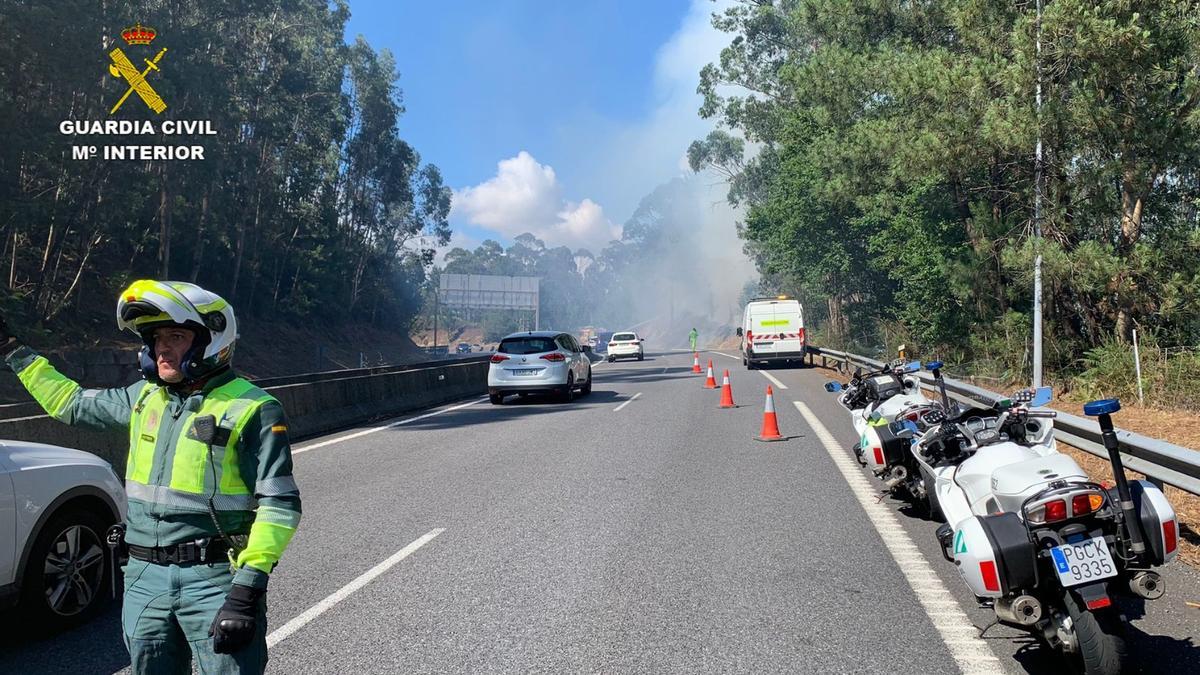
pixel 149 304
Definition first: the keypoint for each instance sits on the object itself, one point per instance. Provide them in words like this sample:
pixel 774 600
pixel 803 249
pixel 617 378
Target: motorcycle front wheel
pixel 1099 638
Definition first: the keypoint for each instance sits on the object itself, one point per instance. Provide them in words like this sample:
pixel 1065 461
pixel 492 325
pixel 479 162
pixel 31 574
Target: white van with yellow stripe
pixel 772 331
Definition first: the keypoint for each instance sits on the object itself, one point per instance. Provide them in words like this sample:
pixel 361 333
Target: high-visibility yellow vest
pixel 181 475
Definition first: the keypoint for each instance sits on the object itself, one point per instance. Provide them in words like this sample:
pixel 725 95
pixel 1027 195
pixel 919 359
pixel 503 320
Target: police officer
pixel 212 501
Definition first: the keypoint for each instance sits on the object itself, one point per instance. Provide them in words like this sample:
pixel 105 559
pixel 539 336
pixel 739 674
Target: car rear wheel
pixel 67 577
pixel 641 356
pixel 568 393
pixel 587 386
pixel 496 399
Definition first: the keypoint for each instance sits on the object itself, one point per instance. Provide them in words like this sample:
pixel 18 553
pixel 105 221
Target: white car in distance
pixel 625 345
pixel 542 362
pixel 56 505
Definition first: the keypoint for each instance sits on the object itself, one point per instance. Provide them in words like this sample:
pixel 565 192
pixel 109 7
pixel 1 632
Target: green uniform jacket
pixel 268 514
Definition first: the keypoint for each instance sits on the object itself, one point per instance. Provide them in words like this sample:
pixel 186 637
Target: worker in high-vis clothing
pixel 692 337
pixel 212 500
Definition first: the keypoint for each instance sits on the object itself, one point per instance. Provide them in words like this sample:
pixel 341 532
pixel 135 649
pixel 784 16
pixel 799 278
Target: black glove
pixel 235 624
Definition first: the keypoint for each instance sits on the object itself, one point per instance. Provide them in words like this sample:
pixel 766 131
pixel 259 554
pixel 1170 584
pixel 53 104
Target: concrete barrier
pixel 312 408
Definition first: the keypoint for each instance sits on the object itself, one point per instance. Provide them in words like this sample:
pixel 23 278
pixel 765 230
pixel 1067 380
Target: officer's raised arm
pixel 63 398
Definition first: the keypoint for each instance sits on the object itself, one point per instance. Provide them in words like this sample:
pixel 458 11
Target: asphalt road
pixel 639 529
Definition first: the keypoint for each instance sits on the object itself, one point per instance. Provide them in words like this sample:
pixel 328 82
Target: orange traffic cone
pixel 770 425
pixel 696 363
pixel 727 392
pixel 711 382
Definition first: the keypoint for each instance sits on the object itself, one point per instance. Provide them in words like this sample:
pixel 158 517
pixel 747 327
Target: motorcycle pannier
pixel 1157 519
pixel 1015 555
pixel 995 555
pixel 895 448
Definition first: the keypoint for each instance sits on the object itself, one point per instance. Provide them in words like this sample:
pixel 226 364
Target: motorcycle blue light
pixel 1104 406
pixel 933 365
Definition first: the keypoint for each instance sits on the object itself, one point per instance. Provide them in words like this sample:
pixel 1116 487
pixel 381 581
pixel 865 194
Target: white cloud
pixel 525 196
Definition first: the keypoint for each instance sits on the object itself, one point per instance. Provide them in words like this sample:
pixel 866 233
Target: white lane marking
pixel 971 653
pixel 371 430
pixel 283 632
pixel 665 369
pixel 773 379
pixel 631 398
pixel 729 356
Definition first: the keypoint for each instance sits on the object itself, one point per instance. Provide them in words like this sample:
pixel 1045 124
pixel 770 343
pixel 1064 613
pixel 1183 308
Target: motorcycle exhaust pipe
pixel 1148 585
pixel 1023 610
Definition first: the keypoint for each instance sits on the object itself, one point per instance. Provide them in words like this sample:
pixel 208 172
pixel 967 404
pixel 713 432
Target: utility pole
pixel 1037 216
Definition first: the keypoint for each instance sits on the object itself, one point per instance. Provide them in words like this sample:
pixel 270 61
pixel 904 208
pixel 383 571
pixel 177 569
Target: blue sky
pixel 552 116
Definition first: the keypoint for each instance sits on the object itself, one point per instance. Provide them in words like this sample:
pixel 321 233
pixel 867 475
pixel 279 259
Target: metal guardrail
pixel 1161 462
pixel 304 378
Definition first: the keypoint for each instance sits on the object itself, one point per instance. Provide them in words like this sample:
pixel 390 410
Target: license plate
pixel 763 343
pixel 524 371
pixel 1082 562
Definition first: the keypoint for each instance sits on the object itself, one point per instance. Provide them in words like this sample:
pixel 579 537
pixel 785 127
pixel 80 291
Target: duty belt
pixel 202 551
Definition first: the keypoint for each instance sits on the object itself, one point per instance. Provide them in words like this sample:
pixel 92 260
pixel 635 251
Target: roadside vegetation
pixel 885 155
pixel 308 208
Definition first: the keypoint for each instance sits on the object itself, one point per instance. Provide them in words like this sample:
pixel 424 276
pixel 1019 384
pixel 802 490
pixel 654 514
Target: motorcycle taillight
pixel 1083 504
pixel 1056 510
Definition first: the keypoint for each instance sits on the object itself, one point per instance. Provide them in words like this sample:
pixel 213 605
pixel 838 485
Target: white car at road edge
pixel 56 505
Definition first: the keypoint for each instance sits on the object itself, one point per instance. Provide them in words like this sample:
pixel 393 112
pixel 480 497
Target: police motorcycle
pixel 1032 535
pixel 875 399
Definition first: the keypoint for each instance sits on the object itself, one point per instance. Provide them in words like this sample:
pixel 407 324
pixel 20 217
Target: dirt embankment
pixel 1170 426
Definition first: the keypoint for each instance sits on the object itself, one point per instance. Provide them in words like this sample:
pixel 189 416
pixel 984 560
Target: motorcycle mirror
pixel 912 366
pixel 833 387
pixel 1041 396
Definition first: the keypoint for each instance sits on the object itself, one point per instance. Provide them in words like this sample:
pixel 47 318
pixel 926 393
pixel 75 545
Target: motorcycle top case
pixel 995 555
pixel 1158 521
pixel 883 387
pixel 1013 483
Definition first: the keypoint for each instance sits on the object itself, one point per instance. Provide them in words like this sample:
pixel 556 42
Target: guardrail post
pixel 1157 482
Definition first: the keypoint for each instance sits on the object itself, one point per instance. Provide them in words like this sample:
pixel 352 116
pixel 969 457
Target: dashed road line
pixel 729 356
pixel 774 380
pixel 971 653
pixel 631 399
pixel 286 630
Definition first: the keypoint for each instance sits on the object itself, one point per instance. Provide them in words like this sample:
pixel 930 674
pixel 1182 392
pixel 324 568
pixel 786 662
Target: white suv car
pixel 541 362
pixel 625 345
pixel 56 506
